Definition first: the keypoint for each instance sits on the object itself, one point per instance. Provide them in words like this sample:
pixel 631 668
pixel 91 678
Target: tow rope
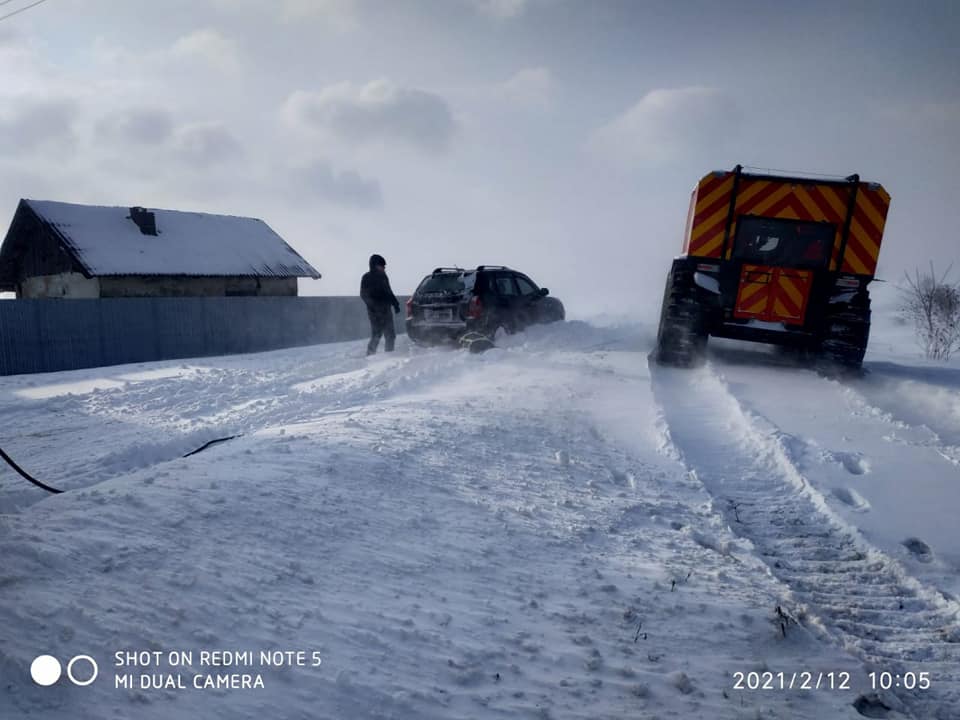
pixel 27 476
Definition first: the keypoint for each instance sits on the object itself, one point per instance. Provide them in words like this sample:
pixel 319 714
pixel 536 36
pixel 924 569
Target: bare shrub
pixel 932 304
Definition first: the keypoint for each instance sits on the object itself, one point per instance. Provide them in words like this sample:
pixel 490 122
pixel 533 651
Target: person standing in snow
pixel 379 298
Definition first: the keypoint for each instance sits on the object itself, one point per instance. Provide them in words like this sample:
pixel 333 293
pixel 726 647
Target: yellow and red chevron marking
pixel 765 197
pixel 773 294
pixel 709 208
pixel 753 296
pixel 791 292
pixel 866 230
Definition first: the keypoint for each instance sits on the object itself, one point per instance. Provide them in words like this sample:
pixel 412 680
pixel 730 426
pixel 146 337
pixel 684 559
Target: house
pixel 63 250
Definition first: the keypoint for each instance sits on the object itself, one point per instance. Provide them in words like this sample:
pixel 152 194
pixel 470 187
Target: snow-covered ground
pixel 548 530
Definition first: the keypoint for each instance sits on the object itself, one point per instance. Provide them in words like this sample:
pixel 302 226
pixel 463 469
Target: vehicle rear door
pixel 528 310
pixel 773 294
pixel 506 298
pixel 779 259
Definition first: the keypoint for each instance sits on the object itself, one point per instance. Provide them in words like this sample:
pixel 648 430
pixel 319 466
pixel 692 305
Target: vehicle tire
pixel 846 331
pixel 496 325
pixel 682 335
pixel 500 332
pixel 554 312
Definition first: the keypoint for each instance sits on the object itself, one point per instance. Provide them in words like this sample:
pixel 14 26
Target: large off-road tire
pixel 846 330
pixel 682 335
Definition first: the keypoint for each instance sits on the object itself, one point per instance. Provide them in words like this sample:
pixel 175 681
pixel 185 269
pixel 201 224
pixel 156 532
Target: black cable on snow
pixel 27 475
pixel 208 444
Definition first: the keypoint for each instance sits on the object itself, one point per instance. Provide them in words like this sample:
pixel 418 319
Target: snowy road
pixel 549 530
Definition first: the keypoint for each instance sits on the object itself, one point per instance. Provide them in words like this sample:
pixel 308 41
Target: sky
pixel 559 137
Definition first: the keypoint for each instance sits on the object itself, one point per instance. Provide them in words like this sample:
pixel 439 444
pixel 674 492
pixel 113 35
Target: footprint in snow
pixel 851 498
pixel 620 477
pixel 919 549
pixel 854 463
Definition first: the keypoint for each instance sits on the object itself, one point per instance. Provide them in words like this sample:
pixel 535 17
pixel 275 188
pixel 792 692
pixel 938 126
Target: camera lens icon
pixel 46 670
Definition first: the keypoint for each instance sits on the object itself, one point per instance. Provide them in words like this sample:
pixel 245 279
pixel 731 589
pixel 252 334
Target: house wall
pixel 73 285
pixel 62 334
pixel 65 285
pixel 178 286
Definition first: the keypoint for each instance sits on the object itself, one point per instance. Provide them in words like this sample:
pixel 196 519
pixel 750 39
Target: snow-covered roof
pixel 106 241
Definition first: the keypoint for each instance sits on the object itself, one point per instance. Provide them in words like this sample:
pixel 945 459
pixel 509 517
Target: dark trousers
pixel 381 323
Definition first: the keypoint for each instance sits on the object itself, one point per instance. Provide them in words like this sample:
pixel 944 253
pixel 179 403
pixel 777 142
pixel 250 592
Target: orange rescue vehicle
pixel 775 259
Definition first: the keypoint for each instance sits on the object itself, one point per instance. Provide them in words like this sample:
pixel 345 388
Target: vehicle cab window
pixel 784 242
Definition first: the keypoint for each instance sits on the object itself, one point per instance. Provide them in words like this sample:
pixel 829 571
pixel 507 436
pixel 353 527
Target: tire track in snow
pixel 862 597
pixel 903 398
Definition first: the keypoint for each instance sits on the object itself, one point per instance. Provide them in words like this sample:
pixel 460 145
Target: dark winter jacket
pixel 376 293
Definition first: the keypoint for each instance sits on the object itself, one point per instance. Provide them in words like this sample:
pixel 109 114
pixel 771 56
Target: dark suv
pixel 451 302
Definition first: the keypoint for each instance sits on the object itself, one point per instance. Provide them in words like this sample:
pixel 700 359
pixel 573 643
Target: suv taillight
pixel 475 308
pixel 409 308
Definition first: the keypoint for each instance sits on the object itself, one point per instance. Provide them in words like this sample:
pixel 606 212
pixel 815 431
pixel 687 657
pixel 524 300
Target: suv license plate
pixel 439 315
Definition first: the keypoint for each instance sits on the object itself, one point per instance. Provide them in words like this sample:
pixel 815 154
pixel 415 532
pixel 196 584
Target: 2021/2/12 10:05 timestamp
pixel 806 680
pixel 906 680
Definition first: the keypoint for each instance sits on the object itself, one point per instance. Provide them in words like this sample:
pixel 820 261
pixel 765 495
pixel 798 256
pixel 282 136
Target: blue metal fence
pixel 49 335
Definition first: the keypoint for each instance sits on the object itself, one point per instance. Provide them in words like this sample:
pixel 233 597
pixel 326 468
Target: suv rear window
pixel 447 283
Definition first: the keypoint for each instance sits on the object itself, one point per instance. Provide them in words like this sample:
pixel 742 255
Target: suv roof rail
pixel 447 269
pixel 492 267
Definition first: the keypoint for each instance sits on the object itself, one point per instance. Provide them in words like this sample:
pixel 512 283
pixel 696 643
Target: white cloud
pixel 209 45
pixel 8 35
pixel 207 143
pixel 334 14
pixel 532 87
pixel 338 14
pixel 29 125
pixel 379 110
pixel 667 125
pixel 141 126
pixel 501 9
pixel 341 187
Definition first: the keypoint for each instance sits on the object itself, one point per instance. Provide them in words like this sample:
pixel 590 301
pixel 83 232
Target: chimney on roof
pixel 145 220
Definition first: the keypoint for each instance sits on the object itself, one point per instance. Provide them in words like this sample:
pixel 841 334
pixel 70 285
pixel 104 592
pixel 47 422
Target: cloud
pixel 30 125
pixel 376 111
pixel 343 187
pixel 8 35
pixel 207 143
pixel 338 14
pixel 500 9
pixel 333 14
pixel 668 125
pixel 140 126
pixel 210 46
pixel 531 87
